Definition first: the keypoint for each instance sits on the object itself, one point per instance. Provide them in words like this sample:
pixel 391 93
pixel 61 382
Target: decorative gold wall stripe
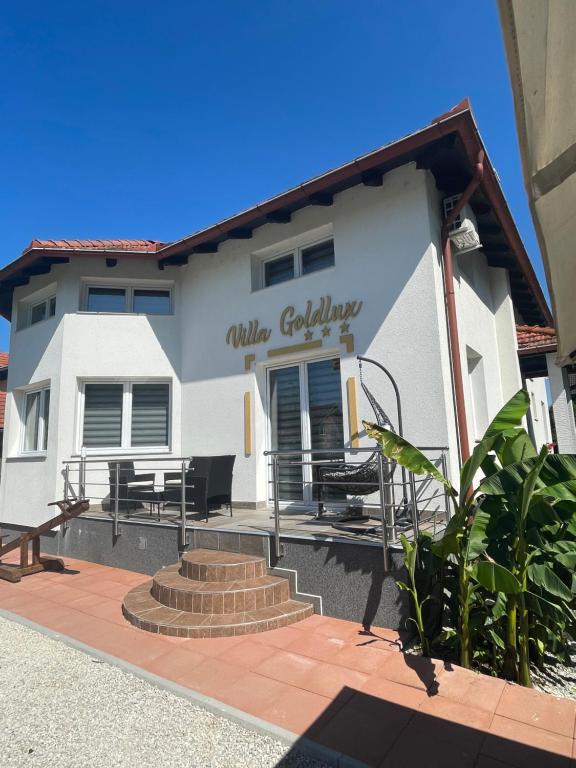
pixel 348 339
pixel 248 360
pixel 295 348
pixel 352 412
pixel 247 423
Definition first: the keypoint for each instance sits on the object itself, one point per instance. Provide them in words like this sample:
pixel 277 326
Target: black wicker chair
pixel 208 484
pixel 220 482
pixel 133 489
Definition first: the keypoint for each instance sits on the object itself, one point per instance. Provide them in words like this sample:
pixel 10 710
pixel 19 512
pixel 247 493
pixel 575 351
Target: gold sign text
pixel 324 313
pixel 241 335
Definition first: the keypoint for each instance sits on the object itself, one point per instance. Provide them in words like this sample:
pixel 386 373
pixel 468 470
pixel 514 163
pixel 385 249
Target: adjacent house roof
pixel 100 245
pixel 535 338
pixel 4 358
pixel 2 408
pixel 448 148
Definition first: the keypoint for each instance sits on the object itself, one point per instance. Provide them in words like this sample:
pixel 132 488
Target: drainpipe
pixel 456 365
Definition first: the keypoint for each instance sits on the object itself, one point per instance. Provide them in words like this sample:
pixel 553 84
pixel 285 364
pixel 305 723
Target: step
pixel 221 597
pixel 142 610
pixel 216 565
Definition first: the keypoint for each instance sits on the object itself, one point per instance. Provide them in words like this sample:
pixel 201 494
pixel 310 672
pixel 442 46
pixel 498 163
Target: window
pixel 302 261
pixel 477 392
pixel 151 302
pixel 279 270
pixel 32 312
pixel 106 300
pixel 126 415
pixel 145 301
pixel 36 417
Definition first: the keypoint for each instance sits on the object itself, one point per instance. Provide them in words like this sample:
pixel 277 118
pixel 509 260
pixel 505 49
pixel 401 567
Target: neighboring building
pixel 244 336
pixel 537 350
pixel 3 380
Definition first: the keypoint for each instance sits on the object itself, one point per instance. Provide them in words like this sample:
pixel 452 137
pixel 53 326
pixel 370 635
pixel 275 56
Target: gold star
pixel 345 327
pixel 325 331
pixel 308 335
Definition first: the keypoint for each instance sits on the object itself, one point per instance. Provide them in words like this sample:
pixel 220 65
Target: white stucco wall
pixel 65 349
pixel 562 406
pixel 539 415
pixel 387 256
pixel 384 258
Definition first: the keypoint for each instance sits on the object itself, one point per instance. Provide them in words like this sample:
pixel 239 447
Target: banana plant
pixel 465 537
pixel 410 555
pixel 536 489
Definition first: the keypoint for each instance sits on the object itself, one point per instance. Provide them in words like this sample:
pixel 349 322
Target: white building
pixel 227 341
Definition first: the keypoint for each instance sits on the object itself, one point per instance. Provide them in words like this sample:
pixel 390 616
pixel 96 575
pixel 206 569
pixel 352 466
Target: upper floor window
pixel 300 261
pixel 31 312
pixel 36 417
pixel 112 298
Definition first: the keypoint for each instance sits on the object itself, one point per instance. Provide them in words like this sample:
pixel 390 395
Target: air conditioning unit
pixel 463 231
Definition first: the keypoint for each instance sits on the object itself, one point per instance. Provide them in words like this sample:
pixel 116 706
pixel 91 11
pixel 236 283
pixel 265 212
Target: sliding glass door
pixel 305 412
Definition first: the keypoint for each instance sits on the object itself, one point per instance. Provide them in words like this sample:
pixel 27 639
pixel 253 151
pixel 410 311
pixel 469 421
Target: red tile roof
pixel 2 408
pixel 4 357
pixel 533 338
pixel 99 245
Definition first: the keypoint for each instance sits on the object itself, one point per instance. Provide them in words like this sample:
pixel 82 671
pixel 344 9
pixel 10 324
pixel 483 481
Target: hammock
pixel 359 479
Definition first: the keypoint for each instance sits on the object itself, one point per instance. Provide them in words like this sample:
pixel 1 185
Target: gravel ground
pixel 61 707
pixel 557 678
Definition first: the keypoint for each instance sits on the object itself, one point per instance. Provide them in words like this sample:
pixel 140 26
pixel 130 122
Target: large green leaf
pixel 563 491
pixel 510 415
pixel 567 559
pixel 407 455
pixel 529 485
pixel 410 552
pixel 496 578
pixel 477 536
pixel 473 464
pixel 557 468
pixel 517 447
pixel 543 576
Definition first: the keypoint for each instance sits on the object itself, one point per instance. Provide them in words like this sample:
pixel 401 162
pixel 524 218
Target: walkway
pixel 322 678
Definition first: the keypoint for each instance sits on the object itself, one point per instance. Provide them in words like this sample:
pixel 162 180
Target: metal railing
pixel 163 484
pixel 389 492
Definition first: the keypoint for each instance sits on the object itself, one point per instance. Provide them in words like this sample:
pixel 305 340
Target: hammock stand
pixel 362 479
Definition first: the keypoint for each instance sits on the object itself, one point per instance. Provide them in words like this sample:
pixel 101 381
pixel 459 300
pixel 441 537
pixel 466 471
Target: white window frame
pixel 296 252
pixel 26 307
pixel 126 434
pixel 129 286
pixel 42 431
pixel 302 364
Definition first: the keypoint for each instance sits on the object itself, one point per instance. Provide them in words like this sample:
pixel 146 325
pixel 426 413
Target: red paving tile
pixel 349 689
pixel 411 670
pixel 287 667
pixel 534 708
pixel 470 688
pixel 297 710
pixel 525 746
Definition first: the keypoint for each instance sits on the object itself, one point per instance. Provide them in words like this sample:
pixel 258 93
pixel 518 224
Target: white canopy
pixel 540 39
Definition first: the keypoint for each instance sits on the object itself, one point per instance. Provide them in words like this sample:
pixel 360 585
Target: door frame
pixel 302 364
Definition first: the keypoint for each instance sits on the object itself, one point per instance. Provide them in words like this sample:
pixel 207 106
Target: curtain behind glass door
pixel 325 413
pixel 286 428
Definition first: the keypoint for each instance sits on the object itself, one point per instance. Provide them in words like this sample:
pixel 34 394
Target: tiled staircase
pixel 211 593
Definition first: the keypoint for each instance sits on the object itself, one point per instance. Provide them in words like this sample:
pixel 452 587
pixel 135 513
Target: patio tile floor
pixel 328 679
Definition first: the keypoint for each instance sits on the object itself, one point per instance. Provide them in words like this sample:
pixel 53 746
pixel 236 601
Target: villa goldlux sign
pixel 246 335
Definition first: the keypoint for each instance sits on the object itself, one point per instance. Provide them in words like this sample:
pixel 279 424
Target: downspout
pixel 456 365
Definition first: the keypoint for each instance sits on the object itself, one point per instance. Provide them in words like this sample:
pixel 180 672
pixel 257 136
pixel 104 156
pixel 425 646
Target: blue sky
pixel 149 119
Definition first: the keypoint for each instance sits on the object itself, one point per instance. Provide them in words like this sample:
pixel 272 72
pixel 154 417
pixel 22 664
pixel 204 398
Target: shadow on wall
pixel 351 580
pixel 380 732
